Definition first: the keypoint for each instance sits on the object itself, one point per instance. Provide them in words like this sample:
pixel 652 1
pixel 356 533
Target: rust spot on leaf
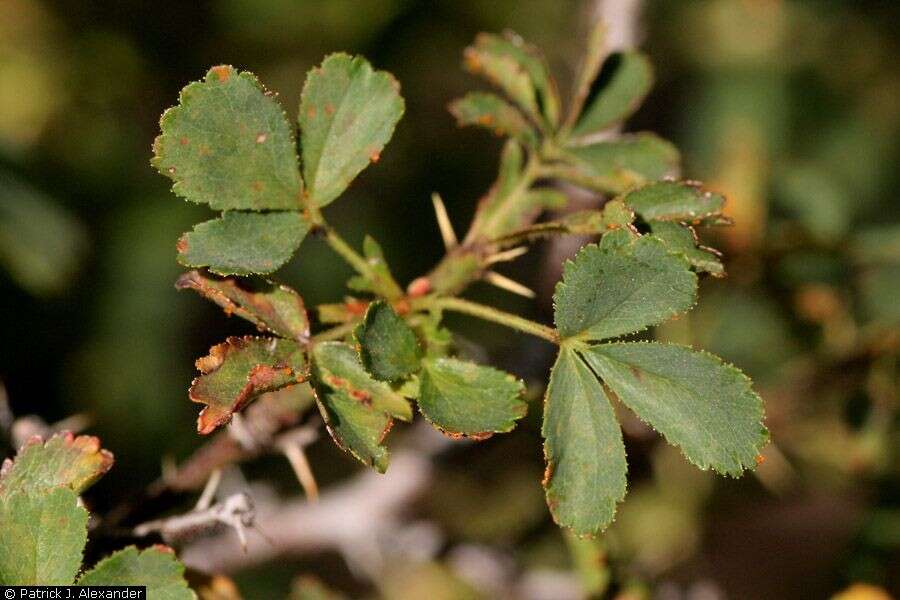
pixel 361 396
pixel 760 459
pixel 258 186
pixel 386 431
pixel 183 141
pixel 357 307
pixel 486 120
pixel 311 112
pixel 548 475
pixel 375 156
pixel 329 109
pixel 223 72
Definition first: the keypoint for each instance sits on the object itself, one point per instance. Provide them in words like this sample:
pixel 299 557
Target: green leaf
pixel 674 201
pixel 43 537
pixel 682 239
pixel 387 346
pixel 357 409
pixel 229 144
pixel 695 400
pixel 630 77
pixel 608 291
pixel 237 371
pixel 494 113
pixel 615 166
pixel 243 243
pixel 269 306
pixel 348 113
pixel 587 72
pixel 504 71
pixel 381 282
pixel 586 468
pixel 504 60
pixel 63 460
pixel 462 398
pixel 155 567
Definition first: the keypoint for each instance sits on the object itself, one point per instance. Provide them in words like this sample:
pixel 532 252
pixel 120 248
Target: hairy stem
pixel 489 313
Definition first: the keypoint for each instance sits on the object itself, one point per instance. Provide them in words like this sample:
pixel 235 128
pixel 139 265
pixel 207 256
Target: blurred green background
pixel 791 108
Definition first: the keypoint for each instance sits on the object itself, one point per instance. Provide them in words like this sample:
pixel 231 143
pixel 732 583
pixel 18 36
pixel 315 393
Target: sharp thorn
pixel 505 283
pixel 447 233
pixel 506 255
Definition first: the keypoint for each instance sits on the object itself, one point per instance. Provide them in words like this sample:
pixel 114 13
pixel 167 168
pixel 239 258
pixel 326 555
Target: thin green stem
pixel 489 313
pixel 345 251
pixel 335 333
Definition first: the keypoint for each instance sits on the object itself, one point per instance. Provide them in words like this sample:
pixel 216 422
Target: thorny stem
pixel 489 313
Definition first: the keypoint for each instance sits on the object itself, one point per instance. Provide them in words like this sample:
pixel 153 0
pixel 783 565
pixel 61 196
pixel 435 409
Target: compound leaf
pixel 243 243
pixel 348 112
pixel 586 468
pixel 387 346
pixel 357 409
pixel 462 398
pixel 698 402
pixel 229 144
pixel 155 567
pixel 674 201
pixel 614 289
pixel 630 77
pixel 494 113
pixel 683 240
pixel 238 370
pixel 615 166
pixel 63 460
pixel 43 535
pixel 269 306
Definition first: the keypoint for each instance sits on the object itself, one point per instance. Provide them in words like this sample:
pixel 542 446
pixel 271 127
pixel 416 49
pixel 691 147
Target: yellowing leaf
pixel 237 371
pixel 357 409
pixel 269 306
pixel 63 460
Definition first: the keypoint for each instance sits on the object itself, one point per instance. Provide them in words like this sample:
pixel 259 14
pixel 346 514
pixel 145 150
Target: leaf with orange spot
pixel 229 144
pixel 239 370
pixel 348 112
pixel 244 243
pixel 494 113
pixel 63 460
pixel 269 306
pixel 357 409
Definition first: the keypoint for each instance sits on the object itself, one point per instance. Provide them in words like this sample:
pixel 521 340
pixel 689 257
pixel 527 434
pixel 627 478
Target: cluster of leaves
pixel 44 526
pixel 229 144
